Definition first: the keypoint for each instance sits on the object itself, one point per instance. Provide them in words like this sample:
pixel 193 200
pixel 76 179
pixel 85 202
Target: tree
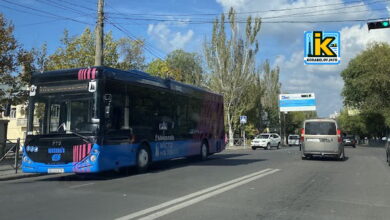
pixel 367 81
pixel 79 51
pixel 231 60
pixel 188 66
pixel 179 65
pixel 131 54
pixel 15 66
pixel 270 98
pixel 294 120
pixel 161 68
pixel 366 123
pixel 352 124
pixel 255 110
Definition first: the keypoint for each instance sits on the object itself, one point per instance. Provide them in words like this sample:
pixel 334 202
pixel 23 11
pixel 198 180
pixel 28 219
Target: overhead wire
pixel 131 37
pixel 146 44
pixel 60 6
pixel 43 11
pixel 253 12
pixel 301 14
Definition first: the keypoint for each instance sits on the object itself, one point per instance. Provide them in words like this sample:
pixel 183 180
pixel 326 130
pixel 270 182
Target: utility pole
pixel 99 35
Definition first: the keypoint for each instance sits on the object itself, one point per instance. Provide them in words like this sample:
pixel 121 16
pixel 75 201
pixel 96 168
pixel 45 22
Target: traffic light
pixel 378 24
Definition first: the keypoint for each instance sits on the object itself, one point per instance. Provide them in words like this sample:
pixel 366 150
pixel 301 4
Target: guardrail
pixel 12 153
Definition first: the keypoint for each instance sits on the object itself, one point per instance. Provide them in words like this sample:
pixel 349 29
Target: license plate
pixel 55 170
pixel 313 140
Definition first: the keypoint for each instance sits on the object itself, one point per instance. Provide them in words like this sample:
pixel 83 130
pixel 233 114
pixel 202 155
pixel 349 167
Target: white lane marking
pixel 82 185
pixel 203 197
pixel 189 196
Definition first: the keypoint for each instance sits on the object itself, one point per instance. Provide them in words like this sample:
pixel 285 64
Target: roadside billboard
pixel 297 102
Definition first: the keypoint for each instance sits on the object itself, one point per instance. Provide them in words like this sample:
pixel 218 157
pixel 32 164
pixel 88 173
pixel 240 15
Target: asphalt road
pixel 241 184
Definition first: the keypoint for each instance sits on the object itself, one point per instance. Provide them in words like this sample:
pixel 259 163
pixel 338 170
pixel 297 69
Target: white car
pixel 266 141
pixel 293 140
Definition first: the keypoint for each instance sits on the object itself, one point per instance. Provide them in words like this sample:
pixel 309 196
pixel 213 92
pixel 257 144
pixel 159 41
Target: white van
pixel 322 137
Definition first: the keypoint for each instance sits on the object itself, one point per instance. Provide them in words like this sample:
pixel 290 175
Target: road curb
pixel 19 176
pixel 237 148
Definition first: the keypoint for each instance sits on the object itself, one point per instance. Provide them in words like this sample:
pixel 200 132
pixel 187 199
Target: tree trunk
pixel 231 139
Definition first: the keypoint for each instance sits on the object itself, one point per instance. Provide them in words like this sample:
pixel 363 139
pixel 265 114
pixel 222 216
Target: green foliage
pixel 131 54
pixel 294 121
pixel 370 124
pixel 270 98
pixel 231 60
pixel 79 51
pixel 15 66
pixel 367 81
pixel 179 65
pixel 187 66
pixel 160 68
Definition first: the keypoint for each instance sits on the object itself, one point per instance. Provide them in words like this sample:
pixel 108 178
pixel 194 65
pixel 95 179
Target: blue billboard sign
pixel 297 102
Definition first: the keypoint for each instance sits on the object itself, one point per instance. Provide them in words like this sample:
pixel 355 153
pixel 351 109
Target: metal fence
pixel 240 142
pixel 12 156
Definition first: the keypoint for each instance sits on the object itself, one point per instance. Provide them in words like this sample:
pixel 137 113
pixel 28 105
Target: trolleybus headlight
pixel 93 158
pixel 28 148
pixel 35 149
pixel 26 159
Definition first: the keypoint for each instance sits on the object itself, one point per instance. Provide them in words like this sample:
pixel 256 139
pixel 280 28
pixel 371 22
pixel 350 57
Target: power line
pixel 131 37
pixel 313 12
pixel 78 5
pixel 26 12
pixel 253 12
pixel 146 44
pixel 56 5
pixel 44 22
pixel 302 14
pixel 46 12
pixel 295 21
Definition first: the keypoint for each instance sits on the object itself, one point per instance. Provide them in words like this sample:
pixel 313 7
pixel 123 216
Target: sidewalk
pixel 7 172
pixel 247 147
pixel 237 147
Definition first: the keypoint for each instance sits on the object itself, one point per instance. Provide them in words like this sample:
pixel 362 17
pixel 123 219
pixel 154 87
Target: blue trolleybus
pixel 95 119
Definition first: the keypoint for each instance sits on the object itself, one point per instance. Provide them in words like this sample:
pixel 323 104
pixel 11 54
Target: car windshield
pixel 263 136
pixel 293 137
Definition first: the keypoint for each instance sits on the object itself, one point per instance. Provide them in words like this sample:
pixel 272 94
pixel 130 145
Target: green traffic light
pixel 385 23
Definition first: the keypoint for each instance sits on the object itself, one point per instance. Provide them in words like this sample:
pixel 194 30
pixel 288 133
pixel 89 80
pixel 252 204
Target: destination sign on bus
pixel 64 88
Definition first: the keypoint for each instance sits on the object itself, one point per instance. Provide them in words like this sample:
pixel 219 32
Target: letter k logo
pixel 321 46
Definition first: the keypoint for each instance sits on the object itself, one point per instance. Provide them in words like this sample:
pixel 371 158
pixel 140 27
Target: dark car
pixel 349 140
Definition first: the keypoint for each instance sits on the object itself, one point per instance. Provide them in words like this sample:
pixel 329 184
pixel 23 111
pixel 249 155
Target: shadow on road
pixel 214 160
pixel 319 158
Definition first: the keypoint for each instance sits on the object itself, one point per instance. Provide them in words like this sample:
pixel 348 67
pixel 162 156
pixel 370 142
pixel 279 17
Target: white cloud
pixel 286 42
pixel 167 39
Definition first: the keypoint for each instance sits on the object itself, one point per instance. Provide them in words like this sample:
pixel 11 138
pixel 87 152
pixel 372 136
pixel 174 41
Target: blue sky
pixel 281 43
